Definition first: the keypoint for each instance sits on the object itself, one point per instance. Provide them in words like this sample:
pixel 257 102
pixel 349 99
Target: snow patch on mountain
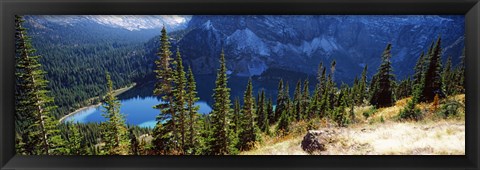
pixel 246 40
pixel 208 26
pixel 129 22
pixel 139 22
pixel 326 44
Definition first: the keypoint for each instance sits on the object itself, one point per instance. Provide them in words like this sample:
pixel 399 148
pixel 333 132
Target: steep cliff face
pixel 255 43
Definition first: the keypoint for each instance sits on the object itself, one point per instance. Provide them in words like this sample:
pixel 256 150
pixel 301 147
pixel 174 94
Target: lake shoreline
pixel 117 92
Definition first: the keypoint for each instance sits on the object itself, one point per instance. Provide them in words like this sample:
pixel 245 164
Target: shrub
pixel 340 117
pixel 369 112
pixel 410 111
pixel 450 108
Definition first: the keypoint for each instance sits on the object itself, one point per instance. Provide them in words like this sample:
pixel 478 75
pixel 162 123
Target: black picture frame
pixel 9 8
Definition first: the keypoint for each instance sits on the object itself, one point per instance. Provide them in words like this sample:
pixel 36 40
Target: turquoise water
pixel 137 103
pixel 137 110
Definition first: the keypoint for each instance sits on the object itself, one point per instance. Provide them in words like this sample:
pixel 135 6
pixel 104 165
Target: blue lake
pixel 138 111
pixel 137 103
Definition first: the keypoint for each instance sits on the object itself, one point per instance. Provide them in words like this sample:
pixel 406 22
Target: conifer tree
pixel 433 74
pixel 74 140
pixel 236 116
pixel 180 103
pixel 248 135
pixel 333 66
pixel 331 86
pixel 165 137
pixel 270 111
pixel 404 89
pixel 283 127
pixel 297 101
pixel 38 130
pixel 363 86
pixel 222 140
pixel 382 95
pixel 281 101
pixel 305 102
pixel 192 110
pixel 288 103
pixel 410 111
pixel 262 114
pixel 134 144
pixel 338 114
pixel 448 78
pixel 115 133
pixel 419 67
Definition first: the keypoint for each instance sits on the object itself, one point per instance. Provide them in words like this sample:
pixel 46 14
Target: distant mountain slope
pixel 255 43
pixel 77 51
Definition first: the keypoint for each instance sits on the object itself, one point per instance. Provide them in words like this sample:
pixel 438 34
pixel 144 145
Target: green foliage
pixel 248 135
pixel 339 115
pixel 37 130
pixel 305 100
pixel 236 116
pixel 74 142
pixel 297 102
pixel 134 144
pixel 115 132
pixel 283 127
pixel 404 89
pixel 382 81
pixel 450 108
pixel 191 98
pixel 448 78
pixel 165 134
pixel 281 101
pixel 411 111
pixel 270 111
pixel 222 139
pixel 362 91
pixel 369 112
pixel 262 120
pixel 432 78
pixel 179 100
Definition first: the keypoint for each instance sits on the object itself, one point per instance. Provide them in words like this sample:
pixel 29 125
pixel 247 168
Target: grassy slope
pixel 372 136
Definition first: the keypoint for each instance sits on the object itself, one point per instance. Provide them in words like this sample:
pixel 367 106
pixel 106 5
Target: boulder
pixel 315 141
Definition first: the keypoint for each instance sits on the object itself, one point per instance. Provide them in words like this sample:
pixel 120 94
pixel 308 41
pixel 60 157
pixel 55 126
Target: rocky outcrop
pixel 316 140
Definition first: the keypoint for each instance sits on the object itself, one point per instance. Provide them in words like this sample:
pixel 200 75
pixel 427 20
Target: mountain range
pixel 256 43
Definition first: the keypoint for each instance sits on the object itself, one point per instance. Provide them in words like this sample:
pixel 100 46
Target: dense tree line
pixel 87 52
pixel 230 127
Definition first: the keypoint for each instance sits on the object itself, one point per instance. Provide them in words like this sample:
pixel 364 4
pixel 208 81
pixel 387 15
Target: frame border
pixel 469 8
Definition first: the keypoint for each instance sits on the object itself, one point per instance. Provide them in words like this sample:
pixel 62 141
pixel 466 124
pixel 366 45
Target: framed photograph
pixel 185 84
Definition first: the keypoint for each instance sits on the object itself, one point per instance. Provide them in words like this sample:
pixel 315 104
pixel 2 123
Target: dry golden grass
pixel 401 138
pixel 431 136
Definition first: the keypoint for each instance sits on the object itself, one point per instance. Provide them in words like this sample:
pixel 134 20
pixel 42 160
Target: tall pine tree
pixel 262 114
pixel 115 133
pixel 192 110
pixel 382 90
pixel 297 102
pixel 433 74
pixel 221 138
pixel 363 87
pixel 165 137
pixel 37 129
pixel 248 135
pixel 180 103
pixel 281 101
